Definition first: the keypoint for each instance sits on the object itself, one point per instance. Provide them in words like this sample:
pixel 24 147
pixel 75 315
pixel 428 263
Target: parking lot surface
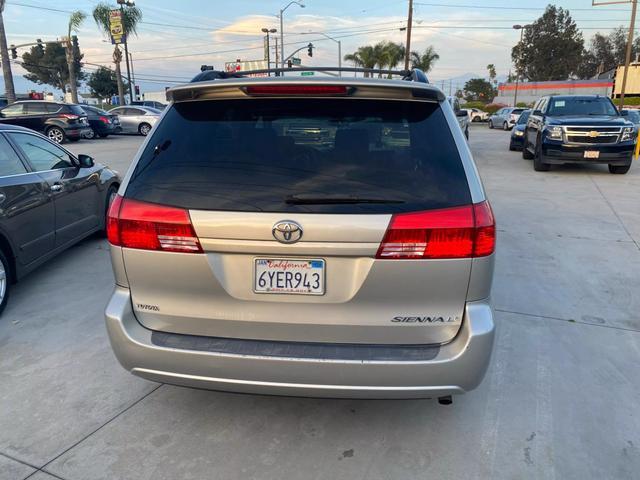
pixel 560 400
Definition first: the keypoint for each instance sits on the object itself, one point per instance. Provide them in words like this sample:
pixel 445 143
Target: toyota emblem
pixel 287 231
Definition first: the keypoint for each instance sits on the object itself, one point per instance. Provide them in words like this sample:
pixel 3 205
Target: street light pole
pixel 128 3
pixel 301 5
pixel 515 95
pixel 407 52
pixel 268 31
pixel 339 47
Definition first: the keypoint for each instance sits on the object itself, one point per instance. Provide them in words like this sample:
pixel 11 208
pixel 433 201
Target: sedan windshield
pixel 522 119
pixel 581 106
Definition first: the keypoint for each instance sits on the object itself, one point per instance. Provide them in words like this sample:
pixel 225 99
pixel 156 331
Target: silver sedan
pixel 136 119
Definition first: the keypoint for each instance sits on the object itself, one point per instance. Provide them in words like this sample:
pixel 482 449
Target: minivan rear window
pixel 302 155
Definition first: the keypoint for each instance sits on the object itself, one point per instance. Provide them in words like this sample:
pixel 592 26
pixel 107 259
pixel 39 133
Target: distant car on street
pixel 517 133
pixel 505 118
pixel 58 121
pixel 50 200
pixel 136 119
pixel 461 115
pixel 477 115
pixel 149 103
pixel 101 123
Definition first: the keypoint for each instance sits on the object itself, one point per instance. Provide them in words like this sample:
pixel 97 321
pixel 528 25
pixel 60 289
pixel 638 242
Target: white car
pixel 477 115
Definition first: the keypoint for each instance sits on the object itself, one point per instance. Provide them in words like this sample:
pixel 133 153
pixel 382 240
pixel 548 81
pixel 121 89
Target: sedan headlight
pixel 628 133
pixel 518 133
pixel 555 133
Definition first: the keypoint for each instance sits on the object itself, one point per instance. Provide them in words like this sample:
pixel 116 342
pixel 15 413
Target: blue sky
pixel 180 35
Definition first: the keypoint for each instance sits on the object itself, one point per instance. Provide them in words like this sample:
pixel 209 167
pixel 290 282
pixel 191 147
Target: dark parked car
pixel 58 121
pixel 101 123
pixel 149 103
pixel 579 129
pixel 49 200
pixel 517 133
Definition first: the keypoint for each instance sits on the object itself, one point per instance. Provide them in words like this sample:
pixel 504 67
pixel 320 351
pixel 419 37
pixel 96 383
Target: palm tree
pixel 365 57
pixel 424 61
pixel 131 16
pixel 4 57
pixel 392 54
pixel 75 20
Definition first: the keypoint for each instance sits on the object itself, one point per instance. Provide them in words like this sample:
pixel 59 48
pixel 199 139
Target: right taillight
pixel 458 232
pixel 148 226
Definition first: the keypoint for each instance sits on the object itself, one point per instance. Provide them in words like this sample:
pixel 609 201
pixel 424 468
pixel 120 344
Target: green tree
pixel 47 65
pixel 491 68
pixel 130 18
pixel 551 49
pixel 479 90
pixel 424 60
pixel 104 83
pixel 606 52
pixel 75 20
pixel 4 57
pixel 364 57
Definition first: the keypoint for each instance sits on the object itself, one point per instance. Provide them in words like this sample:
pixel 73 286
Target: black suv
pixel 578 129
pixel 58 121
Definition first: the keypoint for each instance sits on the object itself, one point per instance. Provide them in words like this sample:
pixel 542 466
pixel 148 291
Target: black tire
pixel 144 129
pixel 466 133
pixel 538 164
pixel 7 281
pixel 505 126
pixel 490 124
pixel 475 119
pixel 56 135
pixel 619 169
pixel 512 148
pixel 111 195
pixel 91 134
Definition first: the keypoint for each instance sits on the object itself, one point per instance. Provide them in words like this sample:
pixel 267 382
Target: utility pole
pixel 515 96
pixel 627 59
pixel 267 31
pixel 276 49
pixel 129 3
pixel 407 53
pixel 4 56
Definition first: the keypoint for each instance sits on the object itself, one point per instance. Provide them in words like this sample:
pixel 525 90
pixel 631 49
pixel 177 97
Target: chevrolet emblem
pixel 594 134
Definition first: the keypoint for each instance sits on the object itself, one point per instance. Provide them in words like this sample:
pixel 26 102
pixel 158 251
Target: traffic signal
pixel 14 52
pixel 310 49
pixel 289 63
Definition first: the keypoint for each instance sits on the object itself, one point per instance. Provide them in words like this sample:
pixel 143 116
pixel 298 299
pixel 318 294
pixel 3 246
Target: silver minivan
pixel 310 236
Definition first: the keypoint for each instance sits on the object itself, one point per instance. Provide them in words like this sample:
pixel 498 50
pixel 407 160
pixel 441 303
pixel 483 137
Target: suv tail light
pixel 458 232
pixel 148 226
pixel 69 116
pixel 288 90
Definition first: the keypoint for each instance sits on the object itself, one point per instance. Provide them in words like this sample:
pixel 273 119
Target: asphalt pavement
pixel 560 400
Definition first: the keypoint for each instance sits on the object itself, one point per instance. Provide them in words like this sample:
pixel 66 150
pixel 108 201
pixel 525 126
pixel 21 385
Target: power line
pixel 504 7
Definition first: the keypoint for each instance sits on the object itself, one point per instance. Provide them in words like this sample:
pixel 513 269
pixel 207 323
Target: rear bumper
pixel 558 153
pixel 454 368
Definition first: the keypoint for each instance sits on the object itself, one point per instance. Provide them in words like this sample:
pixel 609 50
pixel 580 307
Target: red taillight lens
pixel 297 90
pixel 147 226
pixel 69 116
pixel 457 232
pixel 104 120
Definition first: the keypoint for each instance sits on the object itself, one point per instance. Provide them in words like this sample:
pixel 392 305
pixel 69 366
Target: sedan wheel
pixel 505 126
pixel 55 134
pixel 490 124
pixel 91 134
pixel 4 281
pixel 144 129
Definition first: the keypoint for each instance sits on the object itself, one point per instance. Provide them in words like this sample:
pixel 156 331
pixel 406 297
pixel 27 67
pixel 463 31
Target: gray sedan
pixel 136 119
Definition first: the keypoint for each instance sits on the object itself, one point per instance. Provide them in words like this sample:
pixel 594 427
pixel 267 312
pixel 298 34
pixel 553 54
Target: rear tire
pixel 538 164
pixel 475 119
pixel 505 126
pixel 490 124
pixel 144 129
pixel 91 134
pixel 5 281
pixel 619 169
pixel 56 135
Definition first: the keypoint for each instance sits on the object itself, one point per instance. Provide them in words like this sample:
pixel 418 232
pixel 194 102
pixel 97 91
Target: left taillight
pixel 69 116
pixel 458 232
pixel 148 226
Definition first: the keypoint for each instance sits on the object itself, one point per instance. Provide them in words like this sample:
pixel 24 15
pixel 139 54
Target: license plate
pixel 591 154
pixel 287 276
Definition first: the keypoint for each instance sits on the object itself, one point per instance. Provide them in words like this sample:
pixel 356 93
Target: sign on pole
pixel 115 27
pixel 296 61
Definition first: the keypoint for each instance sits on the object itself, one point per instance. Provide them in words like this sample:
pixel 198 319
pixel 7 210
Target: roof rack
pixel 208 73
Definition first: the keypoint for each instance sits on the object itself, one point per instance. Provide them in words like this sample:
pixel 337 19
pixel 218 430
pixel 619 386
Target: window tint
pixel 582 106
pixel 524 116
pixel 117 111
pixel 13 110
pixel 228 155
pixel 42 154
pixel 73 109
pixel 36 108
pixel 133 111
pixel 10 163
pixel 53 107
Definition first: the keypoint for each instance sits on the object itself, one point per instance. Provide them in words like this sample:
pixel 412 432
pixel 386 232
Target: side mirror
pixel 85 161
pixel 462 113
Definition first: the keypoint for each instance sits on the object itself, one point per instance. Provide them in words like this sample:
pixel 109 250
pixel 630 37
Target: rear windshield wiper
pixel 334 200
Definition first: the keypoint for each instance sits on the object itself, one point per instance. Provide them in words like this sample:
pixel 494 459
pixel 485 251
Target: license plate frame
pixel 591 154
pixel 294 265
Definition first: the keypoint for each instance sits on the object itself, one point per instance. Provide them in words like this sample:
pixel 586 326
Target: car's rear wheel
pixel 505 126
pixel 538 163
pixel 144 129
pixel 619 169
pixel 475 119
pixel 91 134
pixel 490 124
pixel 56 134
pixel 5 283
